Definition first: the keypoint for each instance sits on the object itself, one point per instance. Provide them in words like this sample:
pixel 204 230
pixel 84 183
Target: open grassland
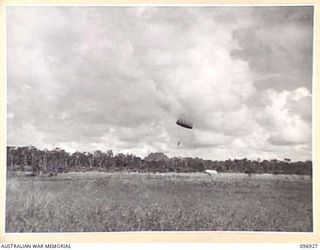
pixel 101 202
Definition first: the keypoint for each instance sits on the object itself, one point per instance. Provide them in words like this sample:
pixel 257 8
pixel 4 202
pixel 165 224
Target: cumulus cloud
pixel 291 127
pixel 278 47
pixel 87 78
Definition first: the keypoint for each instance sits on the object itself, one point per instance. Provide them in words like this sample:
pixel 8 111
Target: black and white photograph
pixel 139 118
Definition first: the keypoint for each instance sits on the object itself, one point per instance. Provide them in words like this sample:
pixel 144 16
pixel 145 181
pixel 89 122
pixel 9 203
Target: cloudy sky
pixel 88 78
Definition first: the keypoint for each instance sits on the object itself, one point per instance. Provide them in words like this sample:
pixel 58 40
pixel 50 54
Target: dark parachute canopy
pixel 184 123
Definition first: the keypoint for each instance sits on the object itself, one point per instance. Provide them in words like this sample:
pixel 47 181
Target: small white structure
pixel 210 172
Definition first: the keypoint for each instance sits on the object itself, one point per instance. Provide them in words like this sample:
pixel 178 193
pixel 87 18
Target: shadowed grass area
pixel 102 202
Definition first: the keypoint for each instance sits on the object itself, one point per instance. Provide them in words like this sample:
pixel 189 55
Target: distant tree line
pixel 59 161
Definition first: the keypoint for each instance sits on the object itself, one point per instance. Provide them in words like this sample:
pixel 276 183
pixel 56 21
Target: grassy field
pixel 103 202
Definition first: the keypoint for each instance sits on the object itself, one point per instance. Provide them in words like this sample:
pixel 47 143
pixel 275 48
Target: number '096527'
pixel 308 246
